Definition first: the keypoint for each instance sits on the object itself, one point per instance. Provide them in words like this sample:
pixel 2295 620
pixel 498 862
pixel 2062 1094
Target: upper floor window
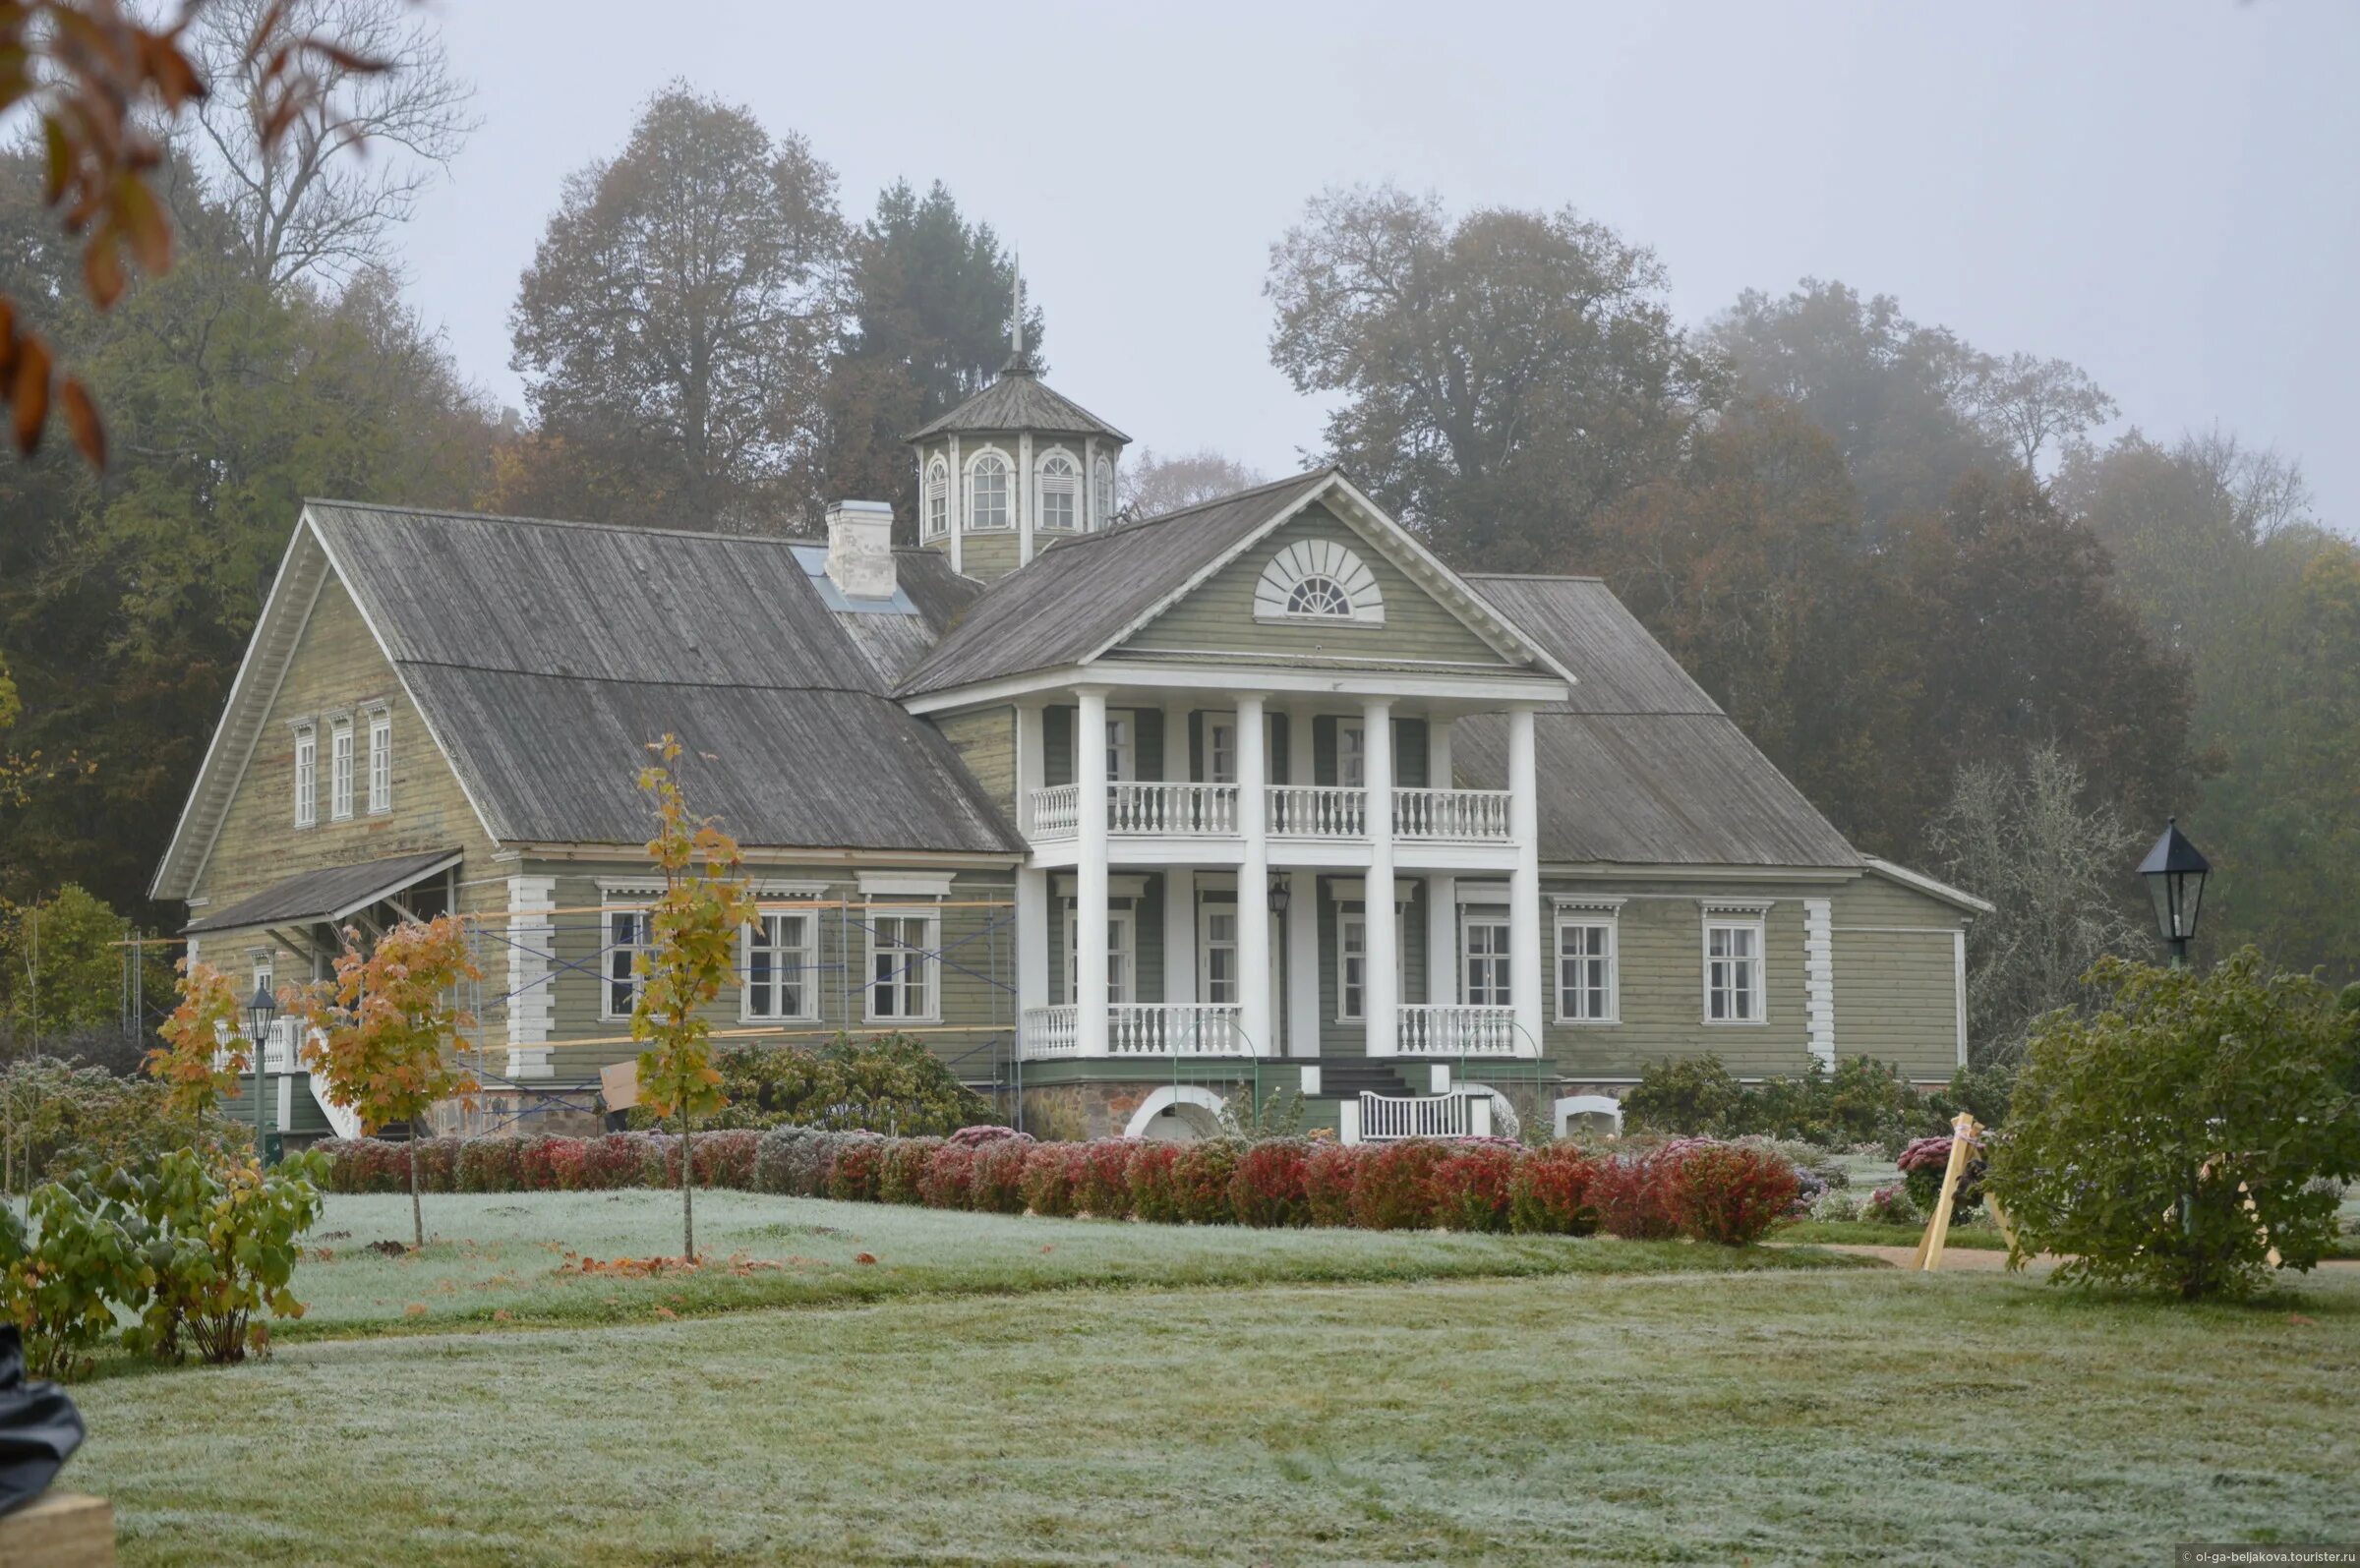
pixel 1220 748
pixel 1733 970
pixel 1059 488
pixel 381 760
pixel 339 771
pixel 1351 756
pixel 1102 487
pixel 988 504
pixel 939 499
pixel 307 776
pixel 1318 579
pixel 781 967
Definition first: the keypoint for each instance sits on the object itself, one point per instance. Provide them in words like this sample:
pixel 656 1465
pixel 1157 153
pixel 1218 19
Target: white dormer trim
pixel 1323 570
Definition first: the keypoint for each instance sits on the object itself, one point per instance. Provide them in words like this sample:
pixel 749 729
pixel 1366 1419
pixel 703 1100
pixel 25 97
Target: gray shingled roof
pixel 328 894
pixel 1071 601
pixel 544 655
pixel 1639 767
pixel 1019 400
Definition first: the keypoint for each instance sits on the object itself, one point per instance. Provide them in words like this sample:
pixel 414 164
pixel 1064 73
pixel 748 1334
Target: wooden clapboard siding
pixel 1896 960
pixel 989 556
pixel 985 741
pixel 1218 616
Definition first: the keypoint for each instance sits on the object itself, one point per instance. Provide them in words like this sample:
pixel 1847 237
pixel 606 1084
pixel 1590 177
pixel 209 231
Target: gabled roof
pixel 543 655
pixel 1078 601
pixel 1019 400
pixel 1638 766
pixel 328 894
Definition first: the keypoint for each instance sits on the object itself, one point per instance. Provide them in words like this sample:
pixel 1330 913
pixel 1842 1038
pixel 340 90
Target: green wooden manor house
pixel 1116 815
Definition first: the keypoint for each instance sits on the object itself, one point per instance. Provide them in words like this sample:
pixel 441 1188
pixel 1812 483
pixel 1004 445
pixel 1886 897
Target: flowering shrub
pixel 794 1161
pixel 621 1159
pixel 949 1177
pixel 1201 1179
pixel 1396 1188
pixel 903 1180
pixel 438 1164
pixel 1329 1176
pixel 1890 1205
pixel 1550 1193
pixel 567 1163
pixel 1469 1189
pixel 1051 1171
pixel 975 1137
pixel 1922 1165
pixel 1153 1194
pixel 1628 1190
pixel 1727 1195
pixel 1810 1188
pixel 999 1184
pixel 487 1165
pixel 725 1158
pixel 1268 1187
pixel 1102 1184
pixel 364 1165
pixel 858 1172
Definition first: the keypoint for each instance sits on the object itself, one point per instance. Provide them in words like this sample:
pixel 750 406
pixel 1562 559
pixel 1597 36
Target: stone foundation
pixel 1080 1110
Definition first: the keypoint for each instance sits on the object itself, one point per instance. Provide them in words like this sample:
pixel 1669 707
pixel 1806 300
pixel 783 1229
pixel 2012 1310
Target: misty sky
pixel 2166 193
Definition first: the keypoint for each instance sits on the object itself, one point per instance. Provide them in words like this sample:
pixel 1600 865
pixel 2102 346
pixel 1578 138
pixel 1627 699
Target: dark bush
pixel 486 1164
pixel 1725 1194
pixel 999 1182
pixel 1049 1178
pixel 859 1171
pixel 903 1180
pixel 1102 1187
pixel 1629 1191
pixel 1394 1191
pixel 1155 1192
pixel 1267 1188
pixel 1201 1179
pixel 950 1177
pixel 1550 1193
pixel 1329 1176
pixel 1469 1189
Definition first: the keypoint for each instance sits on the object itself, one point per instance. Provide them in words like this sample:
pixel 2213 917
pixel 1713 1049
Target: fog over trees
pixel 1984 634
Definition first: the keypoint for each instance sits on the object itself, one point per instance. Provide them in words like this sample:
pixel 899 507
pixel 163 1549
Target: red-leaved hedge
pixel 1708 1191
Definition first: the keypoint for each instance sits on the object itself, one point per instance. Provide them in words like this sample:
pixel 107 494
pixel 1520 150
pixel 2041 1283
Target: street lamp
pixel 2175 872
pixel 262 1010
pixel 1280 894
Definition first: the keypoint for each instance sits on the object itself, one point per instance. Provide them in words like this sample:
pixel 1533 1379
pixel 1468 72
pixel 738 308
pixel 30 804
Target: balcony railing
pixel 1057 811
pixel 1318 811
pixel 1456 1031
pixel 1185 810
pixel 1457 816
pixel 1387 1118
pixel 1139 1028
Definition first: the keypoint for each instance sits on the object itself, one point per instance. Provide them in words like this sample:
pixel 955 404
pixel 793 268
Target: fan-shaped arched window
pixel 1103 482
pixel 1058 484
pixel 1318 579
pixel 939 499
pixel 987 493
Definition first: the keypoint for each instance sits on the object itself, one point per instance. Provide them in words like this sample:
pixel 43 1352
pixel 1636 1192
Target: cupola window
pixel 1059 488
pixel 1103 482
pixel 939 499
pixel 1318 579
pixel 987 493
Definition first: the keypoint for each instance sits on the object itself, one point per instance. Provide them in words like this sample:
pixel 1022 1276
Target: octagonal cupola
pixel 1015 469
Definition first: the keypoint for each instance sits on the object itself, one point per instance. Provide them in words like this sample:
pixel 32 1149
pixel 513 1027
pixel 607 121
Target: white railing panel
pixel 1318 811
pixel 1150 1028
pixel 1050 1033
pixel 1387 1118
pixel 1057 812
pixel 1180 810
pixel 1457 816
pixel 1456 1031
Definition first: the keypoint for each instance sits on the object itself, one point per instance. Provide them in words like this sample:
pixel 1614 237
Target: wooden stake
pixel 1937 1229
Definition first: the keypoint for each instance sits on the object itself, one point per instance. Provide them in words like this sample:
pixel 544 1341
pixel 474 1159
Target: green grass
pixel 502 1260
pixel 1860 1415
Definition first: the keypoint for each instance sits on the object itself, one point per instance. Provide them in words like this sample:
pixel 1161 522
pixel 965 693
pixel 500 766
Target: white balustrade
pixel 1057 811
pixel 1387 1118
pixel 1184 810
pixel 1318 811
pixel 1462 1029
pixel 1050 1033
pixel 1462 816
pixel 1140 1028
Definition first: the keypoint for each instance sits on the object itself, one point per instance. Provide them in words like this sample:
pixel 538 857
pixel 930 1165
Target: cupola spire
pixel 1019 363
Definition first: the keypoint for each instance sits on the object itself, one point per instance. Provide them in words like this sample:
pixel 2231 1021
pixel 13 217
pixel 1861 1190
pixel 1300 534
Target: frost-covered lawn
pixel 1824 1416
pixel 510 1260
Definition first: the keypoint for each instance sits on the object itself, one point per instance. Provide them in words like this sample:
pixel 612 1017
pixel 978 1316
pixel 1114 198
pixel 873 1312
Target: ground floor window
pixel 781 967
pixel 1733 961
pixel 1585 969
pixel 1121 947
pixel 627 937
pixel 902 968
pixel 1484 949
pixel 1352 963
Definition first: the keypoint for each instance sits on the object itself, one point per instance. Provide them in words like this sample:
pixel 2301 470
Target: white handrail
pixel 1461 1029
pixel 1318 811
pixel 1174 1028
pixel 1467 816
pixel 1051 1032
pixel 1385 1117
pixel 1189 810
pixel 1057 812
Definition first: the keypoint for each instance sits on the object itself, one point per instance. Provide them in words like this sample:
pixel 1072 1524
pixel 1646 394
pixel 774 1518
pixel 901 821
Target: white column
pixel 1031 940
pixel 1031 760
pixel 1525 884
pixel 1302 912
pixel 1089 905
pixel 1179 882
pixel 1024 498
pixel 1381 994
pixel 1253 875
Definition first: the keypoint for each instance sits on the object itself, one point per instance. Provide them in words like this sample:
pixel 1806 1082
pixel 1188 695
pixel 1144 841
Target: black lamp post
pixel 262 1010
pixel 1282 893
pixel 2175 872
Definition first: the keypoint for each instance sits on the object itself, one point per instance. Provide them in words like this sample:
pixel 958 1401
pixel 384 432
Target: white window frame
pixel 1122 746
pixel 380 761
pixel 1351 760
pixel 307 774
pixel 1468 919
pixel 618 953
pixel 1103 483
pixel 1122 954
pixel 924 970
pixel 1608 921
pixel 1756 928
pixel 756 934
pixel 1346 923
pixel 1208 912
pixel 340 770
pixel 935 508
pixel 1056 474
pixel 976 465
pixel 1215 724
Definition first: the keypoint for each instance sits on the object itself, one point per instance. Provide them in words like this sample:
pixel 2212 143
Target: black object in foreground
pixel 38 1426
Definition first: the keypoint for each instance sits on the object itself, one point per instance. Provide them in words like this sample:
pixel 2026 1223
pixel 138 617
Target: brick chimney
pixel 860 549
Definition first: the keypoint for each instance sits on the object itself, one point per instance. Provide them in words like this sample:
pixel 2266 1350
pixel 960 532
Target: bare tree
pixel 1153 485
pixel 301 207
pixel 2027 403
pixel 2057 868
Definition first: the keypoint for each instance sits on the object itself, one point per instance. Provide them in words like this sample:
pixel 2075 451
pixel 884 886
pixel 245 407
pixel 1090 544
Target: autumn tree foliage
pixel 203 1049
pixel 692 953
pixel 385 1030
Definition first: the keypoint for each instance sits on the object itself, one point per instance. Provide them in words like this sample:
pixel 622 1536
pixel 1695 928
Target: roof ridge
pixel 1533 577
pixel 453 514
pixel 642 680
